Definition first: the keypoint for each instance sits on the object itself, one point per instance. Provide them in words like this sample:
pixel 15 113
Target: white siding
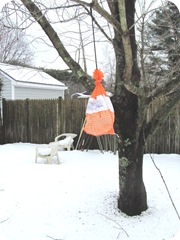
pixel 7 87
pixel 16 89
pixel 33 93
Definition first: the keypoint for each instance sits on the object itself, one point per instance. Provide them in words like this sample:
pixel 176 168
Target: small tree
pixel 14 45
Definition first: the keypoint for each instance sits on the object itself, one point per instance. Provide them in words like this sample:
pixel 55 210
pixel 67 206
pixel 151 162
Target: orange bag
pixel 99 111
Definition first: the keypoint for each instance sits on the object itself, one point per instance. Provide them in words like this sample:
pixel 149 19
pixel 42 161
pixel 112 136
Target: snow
pixel 66 141
pixel 24 74
pixel 77 199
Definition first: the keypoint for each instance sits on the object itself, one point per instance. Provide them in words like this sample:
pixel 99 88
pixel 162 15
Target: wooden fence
pixel 39 121
pixel 167 138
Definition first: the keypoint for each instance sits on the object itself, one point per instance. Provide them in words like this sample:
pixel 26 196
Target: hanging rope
pixel 94 40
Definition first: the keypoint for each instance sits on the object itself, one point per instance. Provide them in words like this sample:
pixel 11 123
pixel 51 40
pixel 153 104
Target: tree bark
pixel 129 125
pixel 129 113
pixel 132 199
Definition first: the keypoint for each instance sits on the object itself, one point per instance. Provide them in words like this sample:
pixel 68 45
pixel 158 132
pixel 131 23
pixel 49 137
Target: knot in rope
pixel 98 76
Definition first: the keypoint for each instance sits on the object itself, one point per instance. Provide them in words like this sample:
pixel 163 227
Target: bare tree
pixel 130 99
pixel 14 43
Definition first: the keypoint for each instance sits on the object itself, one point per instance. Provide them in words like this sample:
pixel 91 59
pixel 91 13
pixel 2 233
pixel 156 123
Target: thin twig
pixel 117 224
pixel 4 220
pixel 165 186
pixel 54 238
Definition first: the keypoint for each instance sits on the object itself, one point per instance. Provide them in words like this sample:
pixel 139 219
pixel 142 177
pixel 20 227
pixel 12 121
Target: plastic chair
pixel 47 152
pixel 65 141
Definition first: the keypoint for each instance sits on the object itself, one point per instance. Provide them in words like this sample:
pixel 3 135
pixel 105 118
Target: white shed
pixel 22 82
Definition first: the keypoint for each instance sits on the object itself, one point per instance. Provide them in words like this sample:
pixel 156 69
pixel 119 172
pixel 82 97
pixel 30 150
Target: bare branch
pixel 161 115
pixel 4 220
pixel 126 42
pixel 98 25
pixel 13 45
pixel 164 89
pixel 111 19
pixel 57 43
pixel 117 224
pixel 54 238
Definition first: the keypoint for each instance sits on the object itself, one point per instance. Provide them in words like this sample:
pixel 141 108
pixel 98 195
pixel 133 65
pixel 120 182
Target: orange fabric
pixel 99 122
pixel 98 90
pixel 98 76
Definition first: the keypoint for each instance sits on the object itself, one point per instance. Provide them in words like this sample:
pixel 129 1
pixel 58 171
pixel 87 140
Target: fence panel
pixel 15 120
pixel 29 120
pixel 72 115
pixel 167 138
pixel 42 120
pixel 39 121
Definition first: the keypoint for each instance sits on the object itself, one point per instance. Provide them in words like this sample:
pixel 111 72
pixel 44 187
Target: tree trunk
pixel 132 198
pixel 129 125
pixel 128 113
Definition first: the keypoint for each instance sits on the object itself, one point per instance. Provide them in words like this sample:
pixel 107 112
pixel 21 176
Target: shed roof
pixel 29 75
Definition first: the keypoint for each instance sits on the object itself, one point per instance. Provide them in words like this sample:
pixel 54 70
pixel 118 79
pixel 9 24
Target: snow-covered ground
pixel 77 200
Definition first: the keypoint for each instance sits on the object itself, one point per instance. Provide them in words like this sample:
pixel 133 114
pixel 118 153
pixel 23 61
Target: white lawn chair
pixel 47 152
pixel 65 141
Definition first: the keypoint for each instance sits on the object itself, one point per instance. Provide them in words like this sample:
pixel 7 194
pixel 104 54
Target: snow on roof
pixel 29 75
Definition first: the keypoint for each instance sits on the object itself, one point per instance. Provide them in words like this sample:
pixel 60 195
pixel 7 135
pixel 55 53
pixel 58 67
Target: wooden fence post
pixel 27 119
pixel 59 118
pixel 3 120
